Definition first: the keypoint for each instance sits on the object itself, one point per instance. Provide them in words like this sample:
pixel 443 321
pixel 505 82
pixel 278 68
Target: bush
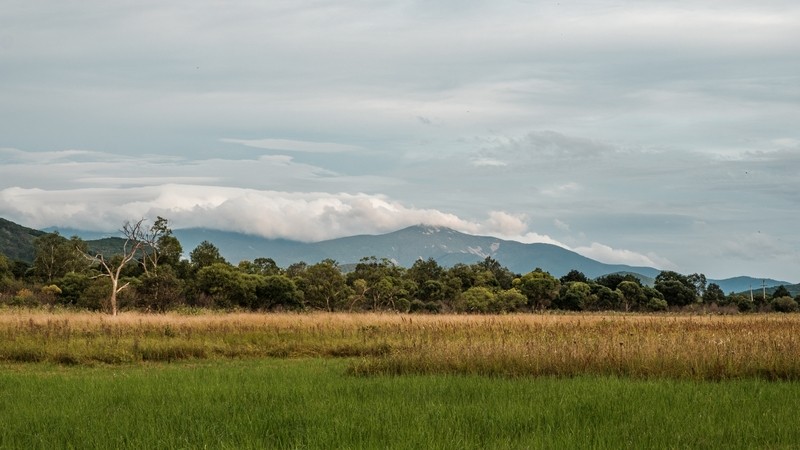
pixel 656 304
pixel 784 304
pixel 416 305
pixel 424 307
pixel 403 305
pixel 478 299
pixel 745 305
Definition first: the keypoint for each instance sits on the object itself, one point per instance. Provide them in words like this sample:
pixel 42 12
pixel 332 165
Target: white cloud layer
pixel 311 216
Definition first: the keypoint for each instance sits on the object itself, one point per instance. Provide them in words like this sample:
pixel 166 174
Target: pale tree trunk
pixel 114 283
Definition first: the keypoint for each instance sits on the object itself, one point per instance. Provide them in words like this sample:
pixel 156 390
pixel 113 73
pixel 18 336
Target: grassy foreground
pixel 638 346
pixel 312 403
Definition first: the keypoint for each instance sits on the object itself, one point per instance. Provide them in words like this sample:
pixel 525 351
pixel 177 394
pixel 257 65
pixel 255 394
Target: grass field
pixel 313 403
pixel 640 346
pixel 79 380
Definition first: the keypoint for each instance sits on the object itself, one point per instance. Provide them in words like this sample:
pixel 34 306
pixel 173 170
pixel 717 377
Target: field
pixel 398 381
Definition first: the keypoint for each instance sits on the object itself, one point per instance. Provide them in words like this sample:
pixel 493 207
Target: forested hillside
pixel 16 241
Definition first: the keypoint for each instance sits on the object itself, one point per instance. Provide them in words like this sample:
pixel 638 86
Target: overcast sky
pixel 661 133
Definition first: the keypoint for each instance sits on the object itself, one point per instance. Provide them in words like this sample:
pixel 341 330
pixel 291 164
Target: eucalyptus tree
pixel 112 266
pixel 379 283
pixel 677 289
pixel 324 286
pixel 539 287
pixel 56 256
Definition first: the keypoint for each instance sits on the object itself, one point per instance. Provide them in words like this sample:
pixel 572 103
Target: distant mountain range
pixel 448 247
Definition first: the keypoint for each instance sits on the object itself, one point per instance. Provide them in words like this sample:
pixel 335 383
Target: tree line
pixel 150 273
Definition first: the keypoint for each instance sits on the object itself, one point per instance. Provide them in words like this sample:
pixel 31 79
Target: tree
pixel 612 280
pixel 157 241
pixel 72 286
pixel 206 254
pixel 784 304
pixel 277 290
pixel 677 289
pixel 324 286
pixel 260 266
pixel 698 280
pixel 781 291
pixel 508 300
pixel 55 256
pixel 539 287
pixel 169 250
pixel 5 266
pixel 632 295
pixel 227 286
pixel 713 294
pixel 431 280
pixel 655 300
pixel 478 299
pixel 604 298
pixel 378 282
pixel 159 289
pixel 6 275
pixel 574 296
pixel 574 275
pixel 112 267
pixel 502 276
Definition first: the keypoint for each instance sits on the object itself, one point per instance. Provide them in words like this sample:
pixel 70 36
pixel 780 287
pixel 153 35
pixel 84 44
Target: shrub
pixel 784 304
pixel 656 304
pixel 403 305
pixel 745 305
pixel 416 305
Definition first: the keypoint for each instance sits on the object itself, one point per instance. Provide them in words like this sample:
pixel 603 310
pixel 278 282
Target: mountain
pixel 16 241
pixel 744 284
pixel 448 247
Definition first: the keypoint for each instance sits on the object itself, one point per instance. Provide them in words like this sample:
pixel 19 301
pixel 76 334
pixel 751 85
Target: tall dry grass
pixel 643 346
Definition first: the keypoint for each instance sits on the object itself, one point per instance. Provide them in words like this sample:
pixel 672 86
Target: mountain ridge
pixel 403 247
pixel 445 245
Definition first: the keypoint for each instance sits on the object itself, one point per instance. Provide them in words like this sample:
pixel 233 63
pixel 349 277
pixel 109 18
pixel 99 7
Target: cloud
pixel 561 225
pixel 295 145
pixel 606 254
pixel 488 162
pixel 305 216
pixel 561 189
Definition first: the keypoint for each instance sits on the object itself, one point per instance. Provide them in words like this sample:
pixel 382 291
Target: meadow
pixel 705 347
pixel 211 380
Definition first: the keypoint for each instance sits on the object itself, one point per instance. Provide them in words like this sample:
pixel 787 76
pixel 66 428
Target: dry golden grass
pixel 696 347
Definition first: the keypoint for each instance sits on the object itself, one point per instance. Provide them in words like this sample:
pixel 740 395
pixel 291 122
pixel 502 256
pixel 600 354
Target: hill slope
pixel 16 241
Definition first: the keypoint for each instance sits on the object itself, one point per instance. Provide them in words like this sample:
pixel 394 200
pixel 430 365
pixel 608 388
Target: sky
pixel 659 133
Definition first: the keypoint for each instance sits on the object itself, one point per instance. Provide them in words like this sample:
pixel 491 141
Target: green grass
pixel 313 403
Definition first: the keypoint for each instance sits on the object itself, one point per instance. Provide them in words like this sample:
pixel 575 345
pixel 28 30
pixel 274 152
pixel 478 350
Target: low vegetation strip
pixel 566 345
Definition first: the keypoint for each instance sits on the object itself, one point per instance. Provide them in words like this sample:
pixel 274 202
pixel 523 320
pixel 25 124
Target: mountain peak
pixel 430 229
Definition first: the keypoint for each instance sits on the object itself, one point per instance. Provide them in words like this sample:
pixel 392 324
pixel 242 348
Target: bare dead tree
pixel 134 243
